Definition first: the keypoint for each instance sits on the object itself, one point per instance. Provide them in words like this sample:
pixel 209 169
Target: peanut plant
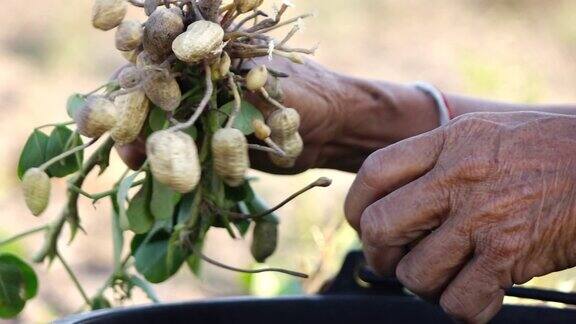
pixel 181 94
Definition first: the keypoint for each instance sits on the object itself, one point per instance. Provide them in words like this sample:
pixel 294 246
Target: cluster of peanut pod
pixel 185 62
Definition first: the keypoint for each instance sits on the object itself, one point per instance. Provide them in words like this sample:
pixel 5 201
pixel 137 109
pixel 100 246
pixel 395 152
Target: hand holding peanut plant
pixel 191 66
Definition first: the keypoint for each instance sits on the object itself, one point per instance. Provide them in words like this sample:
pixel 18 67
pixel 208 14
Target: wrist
pixel 374 115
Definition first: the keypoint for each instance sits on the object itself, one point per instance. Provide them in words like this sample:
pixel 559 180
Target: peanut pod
pixel 261 130
pixel 256 78
pixel 98 116
pixel 274 88
pixel 230 152
pixel 202 40
pixel 129 35
pixel 284 123
pixel 163 90
pixel 221 67
pixel 129 77
pixel 162 27
pixel 132 112
pixel 130 56
pixel 36 188
pixel 264 239
pixel 108 14
pixel 173 158
pixel 292 146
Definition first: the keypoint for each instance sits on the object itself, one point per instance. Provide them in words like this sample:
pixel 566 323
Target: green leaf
pixel 151 257
pixel 257 206
pixel 185 207
pixel 18 284
pixel 244 224
pixel 145 287
pixel 100 302
pixel 104 157
pixel 74 103
pixel 117 235
pixel 34 152
pixel 157 119
pixel 244 119
pixel 164 201
pixel 194 261
pixel 192 131
pixel 241 193
pixel 61 140
pixel 140 218
pixel 122 196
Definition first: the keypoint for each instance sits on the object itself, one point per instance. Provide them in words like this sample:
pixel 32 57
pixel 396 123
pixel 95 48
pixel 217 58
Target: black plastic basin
pixel 343 301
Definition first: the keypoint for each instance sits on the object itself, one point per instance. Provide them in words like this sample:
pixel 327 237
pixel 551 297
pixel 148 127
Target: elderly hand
pixel 465 211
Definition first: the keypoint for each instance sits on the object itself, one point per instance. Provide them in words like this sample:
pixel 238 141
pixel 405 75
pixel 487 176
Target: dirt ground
pixel 515 50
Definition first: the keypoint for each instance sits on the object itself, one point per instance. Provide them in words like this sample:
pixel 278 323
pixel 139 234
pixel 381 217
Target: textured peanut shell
pixel 264 240
pixel 292 146
pixel 163 90
pixel 163 26
pixel 129 35
pixel 230 152
pixel 256 78
pixel 221 67
pixel 98 116
pixel 130 56
pixel 173 158
pixel 261 130
pixel 150 6
pixel 145 59
pixel 274 88
pixel 36 188
pixel 284 123
pixel 224 64
pixel 108 14
pixel 202 40
pixel 132 112
pixel 244 6
pixel 129 77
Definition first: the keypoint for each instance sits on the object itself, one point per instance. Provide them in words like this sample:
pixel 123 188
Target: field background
pixel 515 50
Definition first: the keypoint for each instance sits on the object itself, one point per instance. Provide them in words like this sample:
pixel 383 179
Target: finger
pixel 430 266
pixel 380 262
pixel 402 217
pixel 390 168
pixel 407 213
pixel 475 295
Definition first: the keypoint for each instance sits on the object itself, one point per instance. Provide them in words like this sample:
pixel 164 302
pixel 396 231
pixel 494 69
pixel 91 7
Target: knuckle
pixel 475 167
pixel 374 229
pixel 369 168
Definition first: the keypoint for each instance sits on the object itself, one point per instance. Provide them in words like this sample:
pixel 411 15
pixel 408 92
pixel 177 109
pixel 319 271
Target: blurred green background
pixel 515 50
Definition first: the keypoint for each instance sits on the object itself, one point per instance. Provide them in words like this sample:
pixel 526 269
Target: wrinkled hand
pixel 465 211
pixel 312 90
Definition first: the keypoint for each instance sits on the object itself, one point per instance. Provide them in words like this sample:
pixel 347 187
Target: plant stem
pixel 96 90
pixel 23 235
pixel 237 101
pixel 73 277
pixel 262 148
pixel 321 182
pixel 271 100
pixel 70 210
pixel 203 103
pixel 284 23
pixel 66 154
pixel 227 267
pixel 100 195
